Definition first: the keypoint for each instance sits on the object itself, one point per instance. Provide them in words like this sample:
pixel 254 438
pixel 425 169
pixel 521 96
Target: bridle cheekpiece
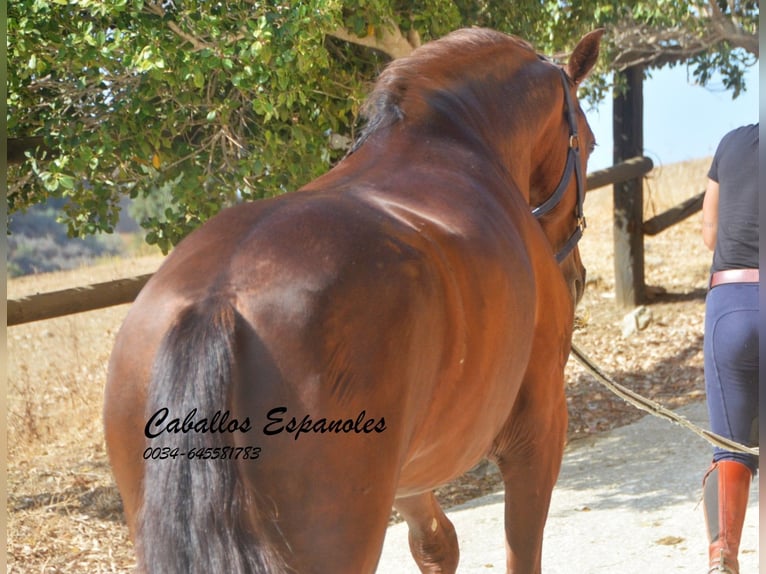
pixel 573 165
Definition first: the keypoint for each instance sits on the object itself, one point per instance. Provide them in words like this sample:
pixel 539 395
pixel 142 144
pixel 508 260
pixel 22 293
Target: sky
pixel 682 120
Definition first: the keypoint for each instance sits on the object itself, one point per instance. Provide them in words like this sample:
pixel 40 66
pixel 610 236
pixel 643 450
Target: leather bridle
pixel 573 165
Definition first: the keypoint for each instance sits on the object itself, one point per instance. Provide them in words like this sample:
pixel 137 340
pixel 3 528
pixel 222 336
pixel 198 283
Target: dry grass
pixel 64 513
pixel 665 360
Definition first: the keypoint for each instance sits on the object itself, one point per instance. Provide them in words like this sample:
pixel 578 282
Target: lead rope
pixel 657 409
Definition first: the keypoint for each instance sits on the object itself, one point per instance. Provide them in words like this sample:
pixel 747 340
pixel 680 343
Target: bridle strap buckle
pixel 574 141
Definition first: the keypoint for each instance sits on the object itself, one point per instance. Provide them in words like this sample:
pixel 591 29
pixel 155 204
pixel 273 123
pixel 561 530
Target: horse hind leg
pixel 432 538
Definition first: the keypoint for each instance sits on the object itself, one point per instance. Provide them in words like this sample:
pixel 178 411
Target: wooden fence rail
pixel 100 295
pixel 619 173
pixel 673 215
pixel 76 300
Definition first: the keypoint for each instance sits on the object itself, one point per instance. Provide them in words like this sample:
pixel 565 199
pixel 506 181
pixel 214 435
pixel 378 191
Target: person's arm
pixel 710 214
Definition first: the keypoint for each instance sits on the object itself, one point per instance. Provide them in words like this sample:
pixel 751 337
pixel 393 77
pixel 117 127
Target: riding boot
pixel 725 491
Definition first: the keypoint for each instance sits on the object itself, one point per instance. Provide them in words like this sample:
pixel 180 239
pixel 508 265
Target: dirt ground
pixel 64 513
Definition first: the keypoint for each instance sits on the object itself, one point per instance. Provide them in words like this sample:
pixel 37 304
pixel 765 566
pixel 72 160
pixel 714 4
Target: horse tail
pixel 194 518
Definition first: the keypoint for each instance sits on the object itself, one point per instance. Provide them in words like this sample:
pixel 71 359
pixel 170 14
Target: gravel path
pixel 626 502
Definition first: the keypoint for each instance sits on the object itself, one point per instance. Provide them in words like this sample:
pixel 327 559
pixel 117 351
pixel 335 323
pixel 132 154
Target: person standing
pixel 730 229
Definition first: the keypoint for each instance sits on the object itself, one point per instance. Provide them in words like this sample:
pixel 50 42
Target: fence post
pixel 627 131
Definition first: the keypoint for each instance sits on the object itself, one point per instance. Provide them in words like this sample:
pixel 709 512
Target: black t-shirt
pixel 735 168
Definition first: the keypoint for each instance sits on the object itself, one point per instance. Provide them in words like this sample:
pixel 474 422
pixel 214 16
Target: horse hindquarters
pixel 193 517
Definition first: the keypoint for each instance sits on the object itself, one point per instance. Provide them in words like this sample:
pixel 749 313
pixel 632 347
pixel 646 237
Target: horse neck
pixel 519 136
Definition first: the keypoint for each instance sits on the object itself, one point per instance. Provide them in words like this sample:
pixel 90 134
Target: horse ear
pixel 584 56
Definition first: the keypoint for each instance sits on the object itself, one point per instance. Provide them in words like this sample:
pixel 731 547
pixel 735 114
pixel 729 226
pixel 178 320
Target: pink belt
pixel 734 276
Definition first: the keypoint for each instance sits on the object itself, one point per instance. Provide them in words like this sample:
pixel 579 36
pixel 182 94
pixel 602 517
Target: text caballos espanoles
pixel 277 422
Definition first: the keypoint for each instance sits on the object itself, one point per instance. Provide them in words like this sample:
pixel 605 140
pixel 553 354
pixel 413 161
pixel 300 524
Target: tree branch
pixel 390 40
pixel 197 44
pixel 730 28
pixel 638 44
pixel 158 10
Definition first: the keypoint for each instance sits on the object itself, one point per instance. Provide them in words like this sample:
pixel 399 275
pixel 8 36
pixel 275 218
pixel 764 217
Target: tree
pixel 224 100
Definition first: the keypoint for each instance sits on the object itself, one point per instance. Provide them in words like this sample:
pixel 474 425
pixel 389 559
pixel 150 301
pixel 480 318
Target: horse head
pixel 496 94
pixel 559 159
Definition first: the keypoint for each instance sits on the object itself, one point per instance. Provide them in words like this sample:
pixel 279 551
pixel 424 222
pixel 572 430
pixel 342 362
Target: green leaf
pixel 66 181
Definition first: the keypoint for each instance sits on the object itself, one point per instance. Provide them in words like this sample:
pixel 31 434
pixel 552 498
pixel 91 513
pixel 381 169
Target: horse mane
pixel 434 66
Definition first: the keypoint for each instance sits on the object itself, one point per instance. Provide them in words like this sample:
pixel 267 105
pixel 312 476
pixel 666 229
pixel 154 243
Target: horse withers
pixel 299 365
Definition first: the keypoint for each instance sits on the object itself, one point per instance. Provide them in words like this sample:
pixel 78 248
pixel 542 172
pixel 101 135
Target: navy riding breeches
pixel 731 366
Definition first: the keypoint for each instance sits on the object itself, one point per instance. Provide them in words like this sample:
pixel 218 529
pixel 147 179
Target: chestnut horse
pixel 299 365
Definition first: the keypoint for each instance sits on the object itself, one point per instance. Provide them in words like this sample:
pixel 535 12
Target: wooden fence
pixel 76 300
pixel 100 295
